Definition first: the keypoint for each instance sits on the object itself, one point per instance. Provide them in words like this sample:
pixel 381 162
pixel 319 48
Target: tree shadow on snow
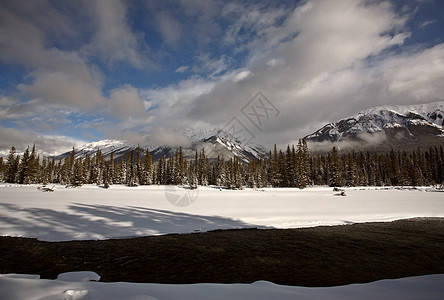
pixel 86 221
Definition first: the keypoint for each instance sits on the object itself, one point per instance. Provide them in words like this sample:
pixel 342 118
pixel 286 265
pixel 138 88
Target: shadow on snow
pixel 86 221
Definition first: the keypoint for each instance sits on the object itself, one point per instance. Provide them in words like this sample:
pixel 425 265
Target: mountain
pixel 401 127
pixel 215 142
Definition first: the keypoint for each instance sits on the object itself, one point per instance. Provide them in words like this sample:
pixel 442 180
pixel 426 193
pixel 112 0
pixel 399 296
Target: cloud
pixel 169 28
pixel 427 23
pixel 181 69
pixel 317 62
pixel 318 54
pixel 45 144
pixel 170 104
pixel 241 75
pixel 114 41
pixel 62 88
pixel 61 83
pixel 125 102
pixel 363 141
pixel 167 137
pixel 417 76
pixel 211 67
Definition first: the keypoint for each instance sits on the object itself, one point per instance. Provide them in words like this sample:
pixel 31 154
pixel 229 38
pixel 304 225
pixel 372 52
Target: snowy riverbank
pixel 91 212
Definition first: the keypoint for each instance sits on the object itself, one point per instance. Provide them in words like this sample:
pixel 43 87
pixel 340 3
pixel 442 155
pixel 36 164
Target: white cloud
pixel 314 69
pixel 170 104
pixel 46 144
pixel 167 137
pixel 170 29
pixel 427 23
pixel 114 40
pixel 241 75
pixel 181 69
pixel 418 76
pixel 62 88
pixel 318 62
pixel 125 102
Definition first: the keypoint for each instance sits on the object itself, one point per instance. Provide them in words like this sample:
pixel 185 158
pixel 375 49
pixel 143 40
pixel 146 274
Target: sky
pixel 73 72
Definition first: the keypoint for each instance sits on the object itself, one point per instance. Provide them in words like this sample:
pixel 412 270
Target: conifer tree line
pixel 293 167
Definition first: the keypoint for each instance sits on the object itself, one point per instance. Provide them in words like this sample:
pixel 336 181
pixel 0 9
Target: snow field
pixel 91 212
pixel 15 286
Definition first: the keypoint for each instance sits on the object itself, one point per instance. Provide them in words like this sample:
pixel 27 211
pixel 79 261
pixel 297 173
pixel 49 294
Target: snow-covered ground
pixel 91 212
pixel 14 286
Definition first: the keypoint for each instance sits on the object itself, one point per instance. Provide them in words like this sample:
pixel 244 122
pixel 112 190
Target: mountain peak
pixel 384 127
pixel 215 141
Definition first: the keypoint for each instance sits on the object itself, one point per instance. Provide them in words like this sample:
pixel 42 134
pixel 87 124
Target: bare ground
pixel 319 256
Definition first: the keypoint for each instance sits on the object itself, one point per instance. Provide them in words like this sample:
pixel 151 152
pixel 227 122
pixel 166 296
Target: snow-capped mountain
pixel 384 127
pixel 215 142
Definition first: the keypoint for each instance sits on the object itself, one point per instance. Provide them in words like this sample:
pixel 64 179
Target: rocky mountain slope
pixel 215 142
pixel 384 127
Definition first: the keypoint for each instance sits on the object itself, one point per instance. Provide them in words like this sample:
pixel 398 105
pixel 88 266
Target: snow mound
pixel 75 294
pixel 420 287
pixel 79 276
pixel 22 276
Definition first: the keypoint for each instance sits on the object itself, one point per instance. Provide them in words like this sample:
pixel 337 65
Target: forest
pixel 294 167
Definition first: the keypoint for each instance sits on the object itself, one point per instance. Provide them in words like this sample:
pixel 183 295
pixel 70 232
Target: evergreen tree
pixel 334 169
pixel 32 169
pixel 394 171
pixel 78 178
pixel 147 173
pixel 221 172
pixel 2 169
pixel 23 168
pixel 350 176
pixel 303 165
pixel 291 167
pixel 11 166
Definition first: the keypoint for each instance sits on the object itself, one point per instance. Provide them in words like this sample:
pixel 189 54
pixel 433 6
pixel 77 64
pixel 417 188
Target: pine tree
pixel 251 182
pixel 262 174
pixel 306 168
pixel 181 166
pixel 32 171
pixel 23 167
pixel 2 170
pixel 131 178
pixel 78 178
pixel 137 169
pixel 110 169
pixel 147 173
pixel 350 176
pixel 394 171
pixel 440 166
pixel 106 174
pixel 334 169
pixel 302 165
pixel 11 166
pixel 275 175
pixel 290 167
pixel 221 172
pixel 237 172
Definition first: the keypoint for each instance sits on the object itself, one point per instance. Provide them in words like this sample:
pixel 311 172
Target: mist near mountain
pixel 381 128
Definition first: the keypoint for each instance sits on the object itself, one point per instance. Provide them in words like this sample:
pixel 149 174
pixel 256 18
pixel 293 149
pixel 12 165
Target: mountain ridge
pixel 214 142
pixel 384 127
